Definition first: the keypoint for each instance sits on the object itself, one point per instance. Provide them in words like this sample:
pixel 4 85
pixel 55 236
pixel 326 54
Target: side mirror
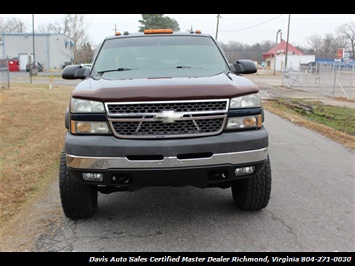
pixel 75 72
pixel 245 66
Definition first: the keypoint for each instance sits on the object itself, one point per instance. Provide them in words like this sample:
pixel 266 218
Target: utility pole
pixel 115 29
pixel 33 39
pixel 32 65
pixel 218 16
pixel 288 33
pixel 275 53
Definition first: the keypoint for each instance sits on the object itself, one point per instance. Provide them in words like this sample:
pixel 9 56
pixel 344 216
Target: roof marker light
pixel 117 33
pixel 158 31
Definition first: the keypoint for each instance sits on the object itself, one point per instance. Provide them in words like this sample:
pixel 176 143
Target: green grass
pixel 339 118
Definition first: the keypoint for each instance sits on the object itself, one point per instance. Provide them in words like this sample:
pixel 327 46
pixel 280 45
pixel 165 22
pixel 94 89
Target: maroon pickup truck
pixel 163 108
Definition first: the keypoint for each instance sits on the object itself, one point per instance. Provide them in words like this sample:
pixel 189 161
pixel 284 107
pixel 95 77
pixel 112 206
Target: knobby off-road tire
pixel 79 201
pixel 253 193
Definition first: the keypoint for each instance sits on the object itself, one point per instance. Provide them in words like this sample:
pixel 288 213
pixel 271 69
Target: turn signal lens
pixel 244 122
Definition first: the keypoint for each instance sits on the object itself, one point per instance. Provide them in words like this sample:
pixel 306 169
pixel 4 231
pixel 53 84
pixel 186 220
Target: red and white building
pixel 275 58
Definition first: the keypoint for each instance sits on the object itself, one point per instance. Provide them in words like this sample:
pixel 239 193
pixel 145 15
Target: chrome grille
pixel 158 107
pixel 167 119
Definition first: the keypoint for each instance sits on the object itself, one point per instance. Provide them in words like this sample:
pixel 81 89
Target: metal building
pixel 52 50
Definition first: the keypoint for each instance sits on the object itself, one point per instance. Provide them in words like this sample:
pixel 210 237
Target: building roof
pixel 281 46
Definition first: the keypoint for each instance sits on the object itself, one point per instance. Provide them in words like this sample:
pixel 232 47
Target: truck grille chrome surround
pixel 167 119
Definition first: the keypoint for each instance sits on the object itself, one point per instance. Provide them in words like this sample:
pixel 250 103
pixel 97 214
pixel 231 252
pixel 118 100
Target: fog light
pixel 244 170
pixel 97 177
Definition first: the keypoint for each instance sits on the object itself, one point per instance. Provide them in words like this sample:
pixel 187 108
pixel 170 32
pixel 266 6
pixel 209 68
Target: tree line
pixel 75 27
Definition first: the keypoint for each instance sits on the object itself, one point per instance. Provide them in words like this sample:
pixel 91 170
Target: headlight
pixel 86 127
pixel 246 101
pixel 85 106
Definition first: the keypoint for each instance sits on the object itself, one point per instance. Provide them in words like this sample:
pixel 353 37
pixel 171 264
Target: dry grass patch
pixel 345 139
pixel 32 138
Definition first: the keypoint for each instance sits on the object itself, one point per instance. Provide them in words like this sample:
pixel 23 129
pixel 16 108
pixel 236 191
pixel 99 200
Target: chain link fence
pixel 337 80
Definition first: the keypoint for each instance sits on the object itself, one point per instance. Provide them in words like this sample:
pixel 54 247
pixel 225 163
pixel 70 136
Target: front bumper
pixel 105 163
pixel 200 162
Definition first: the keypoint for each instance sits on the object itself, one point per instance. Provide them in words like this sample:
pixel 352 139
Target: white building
pixel 294 62
pixel 52 50
pixel 275 58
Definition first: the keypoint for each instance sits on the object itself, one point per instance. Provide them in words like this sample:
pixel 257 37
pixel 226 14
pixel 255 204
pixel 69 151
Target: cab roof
pixel 160 32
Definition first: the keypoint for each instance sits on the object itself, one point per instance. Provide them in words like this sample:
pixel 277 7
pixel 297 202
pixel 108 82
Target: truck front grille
pixel 176 119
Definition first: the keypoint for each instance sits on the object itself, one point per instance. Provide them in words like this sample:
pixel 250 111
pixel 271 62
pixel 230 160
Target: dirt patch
pixel 343 99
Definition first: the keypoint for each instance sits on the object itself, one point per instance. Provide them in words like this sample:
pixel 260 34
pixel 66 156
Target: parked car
pixel 66 64
pixel 36 65
pixel 86 65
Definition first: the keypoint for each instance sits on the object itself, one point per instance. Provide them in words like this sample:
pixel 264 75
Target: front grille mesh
pixel 158 107
pixel 193 118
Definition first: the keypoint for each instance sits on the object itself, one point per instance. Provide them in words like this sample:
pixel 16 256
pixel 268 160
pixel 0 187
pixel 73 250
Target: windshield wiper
pixel 183 67
pixel 113 70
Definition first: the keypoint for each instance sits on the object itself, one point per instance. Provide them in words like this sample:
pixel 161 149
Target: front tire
pixel 79 201
pixel 253 193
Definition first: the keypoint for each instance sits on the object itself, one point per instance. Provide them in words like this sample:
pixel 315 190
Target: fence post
pixel 334 71
pixel 8 72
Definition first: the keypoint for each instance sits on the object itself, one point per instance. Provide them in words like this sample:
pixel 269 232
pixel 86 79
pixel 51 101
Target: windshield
pixel 158 56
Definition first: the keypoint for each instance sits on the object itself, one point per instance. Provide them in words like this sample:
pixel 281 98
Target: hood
pixel 165 89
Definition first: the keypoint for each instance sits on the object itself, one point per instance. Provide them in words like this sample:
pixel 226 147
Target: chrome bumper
pixel 102 163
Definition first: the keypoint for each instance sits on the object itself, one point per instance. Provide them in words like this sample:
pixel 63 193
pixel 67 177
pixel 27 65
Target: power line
pixel 252 26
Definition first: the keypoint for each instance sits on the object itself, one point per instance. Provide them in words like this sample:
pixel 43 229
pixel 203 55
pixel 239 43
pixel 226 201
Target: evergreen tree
pixel 158 21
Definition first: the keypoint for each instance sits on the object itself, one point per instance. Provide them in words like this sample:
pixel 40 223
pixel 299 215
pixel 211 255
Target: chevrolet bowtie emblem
pixel 168 116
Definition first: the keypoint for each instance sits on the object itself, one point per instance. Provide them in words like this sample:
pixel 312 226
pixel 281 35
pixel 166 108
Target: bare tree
pixel 233 50
pixel 329 46
pixel 347 32
pixel 12 25
pixel 236 50
pixel 75 27
pixel 51 28
pixel 84 54
pixel 316 42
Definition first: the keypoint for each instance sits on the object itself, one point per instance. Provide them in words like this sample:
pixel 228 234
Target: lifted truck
pixel 163 108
